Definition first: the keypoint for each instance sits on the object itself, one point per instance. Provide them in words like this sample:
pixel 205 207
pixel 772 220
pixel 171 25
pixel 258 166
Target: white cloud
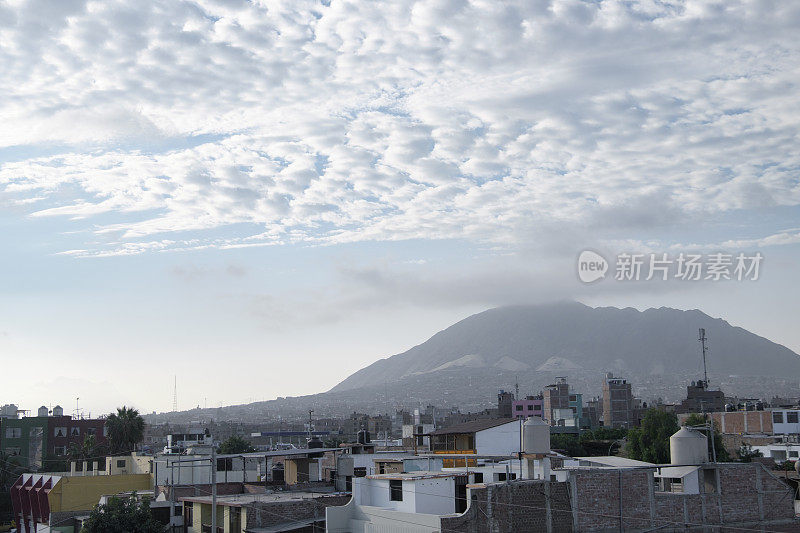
pixel 490 121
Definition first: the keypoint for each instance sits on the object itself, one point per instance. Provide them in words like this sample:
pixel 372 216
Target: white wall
pixel 785 428
pixel 499 440
pixel 433 496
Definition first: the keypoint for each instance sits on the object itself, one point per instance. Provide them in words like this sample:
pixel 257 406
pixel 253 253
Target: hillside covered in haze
pixel 569 336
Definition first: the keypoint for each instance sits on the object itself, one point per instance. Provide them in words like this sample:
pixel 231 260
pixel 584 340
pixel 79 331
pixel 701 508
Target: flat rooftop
pixel 241 500
pixel 422 474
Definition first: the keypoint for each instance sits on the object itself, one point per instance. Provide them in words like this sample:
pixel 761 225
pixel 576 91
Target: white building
pixel 486 438
pixel 780 451
pixel 785 421
pixel 416 500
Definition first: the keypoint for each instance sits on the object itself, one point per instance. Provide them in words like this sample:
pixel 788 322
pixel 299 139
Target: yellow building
pixel 49 499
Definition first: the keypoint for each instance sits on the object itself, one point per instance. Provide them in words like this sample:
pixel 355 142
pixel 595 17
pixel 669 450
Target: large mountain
pixel 568 336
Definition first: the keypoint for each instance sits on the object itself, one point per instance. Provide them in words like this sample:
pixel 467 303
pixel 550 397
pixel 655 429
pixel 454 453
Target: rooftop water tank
pixel 58 411
pixel 536 436
pixel 43 411
pixel 688 447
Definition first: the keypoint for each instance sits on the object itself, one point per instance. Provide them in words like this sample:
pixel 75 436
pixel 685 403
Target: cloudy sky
pixel 264 196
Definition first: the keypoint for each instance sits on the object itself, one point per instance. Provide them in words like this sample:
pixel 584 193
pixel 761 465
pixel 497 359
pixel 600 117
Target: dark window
pixel 518 407
pixel 396 490
pixel 777 417
pixel 501 476
pixel 513 476
pixel 120 463
pixel 791 417
pixel 530 407
pixel 360 471
pixel 188 513
pixel 478 477
pixel 573 398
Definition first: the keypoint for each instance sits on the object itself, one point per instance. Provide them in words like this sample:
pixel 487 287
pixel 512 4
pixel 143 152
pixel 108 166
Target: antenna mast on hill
pixel 704 348
pixel 175 396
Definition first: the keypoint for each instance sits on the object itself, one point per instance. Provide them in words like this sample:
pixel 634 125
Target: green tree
pixel 650 441
pixel 747 453
pixel 568 443
pixel 123 515
pixel 125 430
pixel 235 444
pixel 10 470
pixel 87 450
pixel 696 419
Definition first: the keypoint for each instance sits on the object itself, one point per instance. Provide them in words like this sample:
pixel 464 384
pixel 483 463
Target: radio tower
pixel 703 346
pixel 175 396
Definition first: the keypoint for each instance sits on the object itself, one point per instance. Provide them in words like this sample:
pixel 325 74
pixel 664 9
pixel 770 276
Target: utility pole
pixel 213 488
pixel 703 346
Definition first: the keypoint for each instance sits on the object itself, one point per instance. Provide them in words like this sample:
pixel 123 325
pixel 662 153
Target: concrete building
pixel 45 502
pixel 618 404
pixel 265 512
pixel 785 421
pixel 505 401
pixel 560 406
pixel 699 398
pixel 485 438
pixel 34 439
pixel 528 406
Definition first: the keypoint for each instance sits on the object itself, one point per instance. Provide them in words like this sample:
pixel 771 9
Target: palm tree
pixel 85 451
pixel 125 430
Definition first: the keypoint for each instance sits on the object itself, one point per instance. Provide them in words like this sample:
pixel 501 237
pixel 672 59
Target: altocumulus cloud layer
pixel 221 123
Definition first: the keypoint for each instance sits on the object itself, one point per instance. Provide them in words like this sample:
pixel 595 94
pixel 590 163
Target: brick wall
pixel 266 514
pixel 603 499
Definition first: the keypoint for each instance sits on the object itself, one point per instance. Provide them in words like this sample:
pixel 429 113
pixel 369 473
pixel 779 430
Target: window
pixel 91 431
pixel 792 454
pixel 501 476
pixel 518 408
pixel 13 433
pixel 530 407
pixel 573 398
pixel 360 471
pixel 121 463
pixel 777 417
pixel 396 490
pixel 74 431
pixel 791 417
pixel 60 450
pixel 13 450
pixel 188 513
pixel 60 432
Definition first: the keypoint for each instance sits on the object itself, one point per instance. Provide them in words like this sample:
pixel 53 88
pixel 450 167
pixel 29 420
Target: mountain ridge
pixel 655 340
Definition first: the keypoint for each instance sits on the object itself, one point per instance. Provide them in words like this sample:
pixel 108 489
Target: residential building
pixel 785 421
pixel 273 512
pixel 556 396
pixel 486 438
pixel 618 403
pixel 35 439
pixel 505 401
pixel 42 500
pixel 528 406
pixel 700 399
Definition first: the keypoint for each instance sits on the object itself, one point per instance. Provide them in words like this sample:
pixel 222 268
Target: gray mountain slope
pixel 604 338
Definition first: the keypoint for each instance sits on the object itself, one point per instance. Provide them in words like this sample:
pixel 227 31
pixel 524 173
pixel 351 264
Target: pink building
pixel 529 406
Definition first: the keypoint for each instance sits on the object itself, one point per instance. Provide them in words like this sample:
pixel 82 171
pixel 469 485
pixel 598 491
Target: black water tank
pixel 277 474
pixel 314 442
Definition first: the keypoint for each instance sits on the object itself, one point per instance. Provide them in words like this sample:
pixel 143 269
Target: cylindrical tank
pixel 43 411
pixel 58 411
pixel 688 447
pixel 536 436
pixel 278 474
pixel 314 442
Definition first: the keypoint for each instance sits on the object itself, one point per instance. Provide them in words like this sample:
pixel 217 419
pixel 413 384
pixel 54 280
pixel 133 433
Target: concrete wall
pixel 83 493
pixel 432 496
pixel 499 440
pixel 354 518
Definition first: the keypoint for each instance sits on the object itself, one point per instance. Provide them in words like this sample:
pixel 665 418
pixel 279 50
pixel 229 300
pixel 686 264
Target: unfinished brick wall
pixel 743 495
pixel 522 505
pixel 265 514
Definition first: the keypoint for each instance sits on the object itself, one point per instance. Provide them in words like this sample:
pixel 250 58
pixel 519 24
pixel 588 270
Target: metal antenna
pixel 705 350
